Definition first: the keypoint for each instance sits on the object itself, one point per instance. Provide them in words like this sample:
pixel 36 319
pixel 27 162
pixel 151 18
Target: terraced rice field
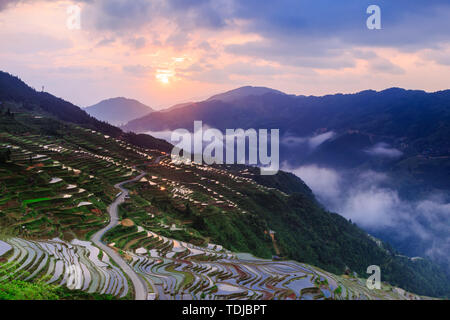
pixel 77 265
pixel 55 193
pixel 179 270
pixel 55 188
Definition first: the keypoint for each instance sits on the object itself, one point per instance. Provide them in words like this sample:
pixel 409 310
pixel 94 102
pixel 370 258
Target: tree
pixel 188 212
pixel 199 223
pixel 5 155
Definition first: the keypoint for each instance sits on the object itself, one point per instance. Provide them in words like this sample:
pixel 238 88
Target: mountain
pixel 44 157
pixel 396 137
pixel 118 111
pixel 14 89
pixel 229 96
pixel 243 92
pixel 393 112
pixel 177 106
pixel 415 123
pixel 410 124
pixel 179 204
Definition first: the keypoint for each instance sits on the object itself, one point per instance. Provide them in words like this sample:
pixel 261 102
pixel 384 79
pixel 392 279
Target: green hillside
pixel 57 178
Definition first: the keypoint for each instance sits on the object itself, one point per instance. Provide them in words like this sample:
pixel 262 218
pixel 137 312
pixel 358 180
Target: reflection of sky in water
pixel 299 284
pixel 251 277
pixel 326 293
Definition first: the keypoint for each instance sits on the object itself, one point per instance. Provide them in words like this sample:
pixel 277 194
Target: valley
pixel 87 208
pixel 222 159
pixel 57 189
pixel 378 158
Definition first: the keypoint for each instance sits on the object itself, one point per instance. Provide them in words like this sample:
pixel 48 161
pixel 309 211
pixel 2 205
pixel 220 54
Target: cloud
pixel 302 33
pixel 190 14
pixel 294 45
pixel 318 53
pixel 227 73
pixel 323 181
pixel 177 39
pixel 210 75
pixel 119 15
pixel 32 43
pixel 312 47
pixel 384 66
pixel 440 56
pixel 368 200
pixel 362 200
pixel 164 135
pixel 437 213
pixel 324 34
pixel 137 42
pixel 229 140
pixel 312 142
pixel 105 42
pixel 6 3
pixel 378 64
pixel 137 70
pixel 384 150
pixel 405 23
pixel 373 207
pixel 71 70
pixel 293 140
pixel 316 141
pixel 309 24
pixel 241 68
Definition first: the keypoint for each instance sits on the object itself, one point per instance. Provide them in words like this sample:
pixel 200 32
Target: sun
pixel 164 80
pixel 164 76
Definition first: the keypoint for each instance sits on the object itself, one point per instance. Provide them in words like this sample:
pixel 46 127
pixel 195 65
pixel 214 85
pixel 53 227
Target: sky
pixel 164 52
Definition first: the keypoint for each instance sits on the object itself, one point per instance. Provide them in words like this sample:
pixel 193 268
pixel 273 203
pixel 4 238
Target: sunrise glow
pixel 195 52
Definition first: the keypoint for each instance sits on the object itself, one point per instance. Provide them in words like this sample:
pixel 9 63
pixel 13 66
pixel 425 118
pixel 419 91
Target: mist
pixel 312 142
pixel 367 200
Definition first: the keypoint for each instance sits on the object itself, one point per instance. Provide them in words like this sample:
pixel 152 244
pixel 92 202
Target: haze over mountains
pixel 381 159
pixel 118 111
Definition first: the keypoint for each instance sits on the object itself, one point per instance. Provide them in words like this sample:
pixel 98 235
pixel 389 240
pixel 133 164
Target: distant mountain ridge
pixel 416 122
pixel 305 231
pixel 413 124
pixel 402 134
pixel 118 111
pixel 242 92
